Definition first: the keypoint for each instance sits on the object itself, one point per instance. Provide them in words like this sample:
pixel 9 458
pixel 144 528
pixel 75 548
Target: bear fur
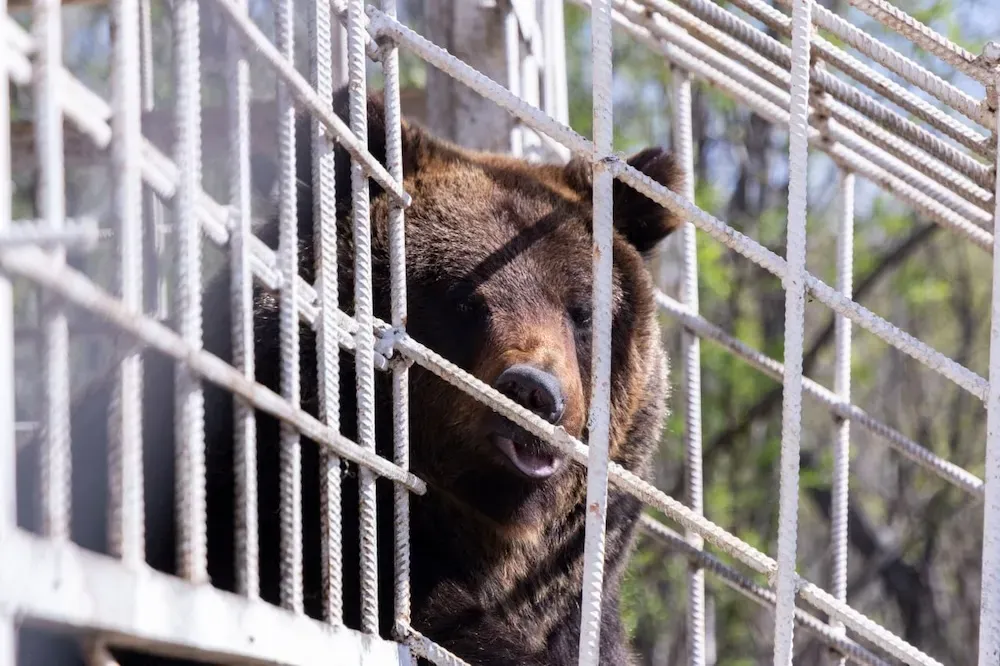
pixel 499 265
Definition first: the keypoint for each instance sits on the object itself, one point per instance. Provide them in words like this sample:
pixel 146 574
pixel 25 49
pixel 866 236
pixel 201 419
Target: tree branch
pixel 889 260
pixel 908 585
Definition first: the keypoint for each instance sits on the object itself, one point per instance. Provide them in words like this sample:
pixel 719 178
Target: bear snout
pixel 541 392
pixel 535 389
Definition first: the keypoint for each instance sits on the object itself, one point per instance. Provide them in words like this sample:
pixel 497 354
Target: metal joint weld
pixel 990 57
pixel 386 342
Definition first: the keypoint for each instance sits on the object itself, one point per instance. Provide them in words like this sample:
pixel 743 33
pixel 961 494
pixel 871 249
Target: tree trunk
pixel 473 32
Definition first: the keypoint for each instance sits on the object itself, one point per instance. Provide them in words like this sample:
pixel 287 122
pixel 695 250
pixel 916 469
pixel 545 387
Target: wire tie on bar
pixel 385 346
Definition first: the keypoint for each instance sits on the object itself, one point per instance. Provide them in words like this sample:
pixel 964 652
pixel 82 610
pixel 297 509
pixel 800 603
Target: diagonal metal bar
pixel 306 96
pixel 757 593
pixel 899 21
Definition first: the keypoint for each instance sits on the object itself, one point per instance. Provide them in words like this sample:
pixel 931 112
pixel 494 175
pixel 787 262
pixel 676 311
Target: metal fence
pixel 942 166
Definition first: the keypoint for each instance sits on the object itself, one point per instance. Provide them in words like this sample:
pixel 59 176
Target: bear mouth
pixel 525 453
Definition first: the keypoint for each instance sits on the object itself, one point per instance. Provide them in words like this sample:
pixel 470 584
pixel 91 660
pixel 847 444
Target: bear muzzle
pixel 541 392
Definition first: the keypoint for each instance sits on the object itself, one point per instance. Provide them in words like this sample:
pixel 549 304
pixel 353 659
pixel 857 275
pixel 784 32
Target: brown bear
pixel 499 282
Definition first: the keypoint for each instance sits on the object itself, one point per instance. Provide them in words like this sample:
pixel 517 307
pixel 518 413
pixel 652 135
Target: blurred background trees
pixel 914 562
pixel 915 541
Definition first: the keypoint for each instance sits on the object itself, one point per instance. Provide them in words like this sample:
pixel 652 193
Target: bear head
pixel 498 278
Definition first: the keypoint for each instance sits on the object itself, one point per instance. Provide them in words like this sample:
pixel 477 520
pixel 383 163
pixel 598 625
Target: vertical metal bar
pixel 989 618
pixel 8 641
pixel 288 240
pixel 8 434
pixel 842 387
pixel 791 417
pixel 554 48
pixel 192 543
pixel 598 425
pixel 127 538
pixel 339 49
pixel 56 462
pixel 530 143
pixel 363 313
pixel 325 68
pixel 153 208
pixel 8 634
pixel 241 305
pixel 512 45
pixel 684 149
pixel 546 21
pixel 554 34
pixel 146 57
pixel 530 92
pixel 397 275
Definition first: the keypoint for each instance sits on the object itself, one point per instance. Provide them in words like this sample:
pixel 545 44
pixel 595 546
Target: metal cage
pixel 932 160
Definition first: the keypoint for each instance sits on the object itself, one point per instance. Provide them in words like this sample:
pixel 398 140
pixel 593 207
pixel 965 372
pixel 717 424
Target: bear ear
pixel 417 146
pixel 641 220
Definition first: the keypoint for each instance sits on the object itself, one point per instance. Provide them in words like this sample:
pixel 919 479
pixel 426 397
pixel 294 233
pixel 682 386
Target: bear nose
pixel 534 389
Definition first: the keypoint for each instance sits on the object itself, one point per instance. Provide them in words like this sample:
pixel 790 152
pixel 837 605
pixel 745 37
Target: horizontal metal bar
pixel 148 610
pixel 905 67
pixel 80 233
pixel 911 154
pixel 775 50
pixel 720 43
pixel 88 110
pixel 865 75
pixel 158 128
pixel 78 289
pixel 650 495
pixel 382 25
pixel 921 35
pixel 215 219
pixel 823 292
pixel 922 456
pixel 893 175
pixel 427 649
pixel 904 183
pixel 161 175
pixel 736 581
pixel 22 4
pixel 719 230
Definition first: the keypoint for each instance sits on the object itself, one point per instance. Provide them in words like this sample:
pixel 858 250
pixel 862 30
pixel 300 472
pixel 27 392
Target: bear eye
pixel 579 315
pixel 468 303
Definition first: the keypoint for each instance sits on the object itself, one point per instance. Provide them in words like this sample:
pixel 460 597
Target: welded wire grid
pixel 941 166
